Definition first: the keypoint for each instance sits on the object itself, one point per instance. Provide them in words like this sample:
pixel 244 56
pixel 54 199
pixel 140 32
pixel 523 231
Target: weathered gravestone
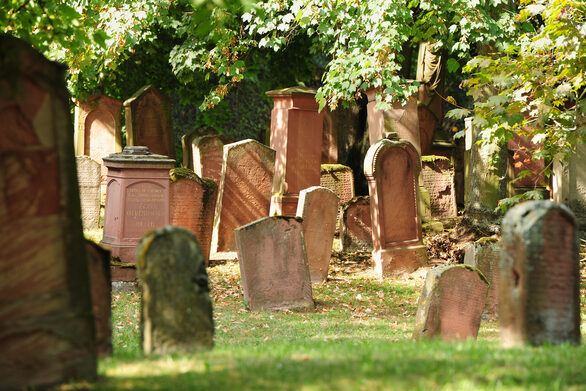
pixel 149 122
pixel 485 255
pixel 318 207
pixel 208 154
pixel 244 194
pixel 438 179
pixel 187 141
pixel 101 290
pixel 539 299
pixel 391 167
pixel 176 305
pixel 192 202
pixel 296 136
pixel 339 179
pixel 273 264
pixel 89 179
pixel 98 130
pixel 47 333
pixel 451 304
pixel 356 225
pixel 137 198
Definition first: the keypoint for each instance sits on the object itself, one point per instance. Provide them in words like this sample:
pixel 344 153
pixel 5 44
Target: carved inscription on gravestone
pixel 145 206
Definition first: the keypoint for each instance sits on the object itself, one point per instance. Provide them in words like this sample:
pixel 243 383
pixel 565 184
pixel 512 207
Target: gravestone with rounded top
pixel 47 328
pixel 451 304
pixel 89 180
pixel 176 310
pixel 192 202
pixel 244 193
pixel 391 167
pixel 539 295
pixel 318 207
pixel 149 122
pixel 273 264
pixel 137 198
pixel 296 136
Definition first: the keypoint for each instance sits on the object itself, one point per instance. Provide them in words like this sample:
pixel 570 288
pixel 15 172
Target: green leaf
pixel 453 65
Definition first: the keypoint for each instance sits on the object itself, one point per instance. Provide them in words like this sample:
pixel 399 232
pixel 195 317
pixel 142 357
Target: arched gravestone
pixel 244 194
pixel 539 297
pixel 149 122
pixel 47 331
pixel 391 167
pixel 176 310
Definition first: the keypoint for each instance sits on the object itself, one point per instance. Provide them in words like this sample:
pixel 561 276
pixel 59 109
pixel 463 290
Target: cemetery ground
pixel 357 338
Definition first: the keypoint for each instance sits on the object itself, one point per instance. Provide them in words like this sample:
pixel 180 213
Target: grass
pixel 357 338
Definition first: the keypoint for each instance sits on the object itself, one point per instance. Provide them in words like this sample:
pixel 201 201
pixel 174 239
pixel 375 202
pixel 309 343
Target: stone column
pixel 296 136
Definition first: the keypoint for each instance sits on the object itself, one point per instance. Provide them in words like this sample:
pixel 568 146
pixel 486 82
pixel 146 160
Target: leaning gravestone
pixel 485 255
pixel 244 194
pixel 356 225
pixel 176 304
pixel 89 179
pixel 273 264
pixel 318 207
pixel 47 333
pixel 192 201
pixel 149 122
pixel 101 289
pixel 392 167
pixel 539 299
pixel 451 304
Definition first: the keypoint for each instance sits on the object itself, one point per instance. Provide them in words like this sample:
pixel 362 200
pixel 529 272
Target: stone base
pixel 121 252
pixel 394 261
pixel 283 205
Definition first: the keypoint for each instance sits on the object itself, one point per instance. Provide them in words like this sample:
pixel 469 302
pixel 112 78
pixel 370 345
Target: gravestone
pixel 539 297
pixel 101 290
pixel 244 193
pixel 296 136
pixel 192 202
pixel 339 179
pixel 47 333
pixel 176 310
pixel 391 167
pixel 137 198
pixel 438 179
pixel 356 225
pixel 89 179
pixel 485 255
pixel 273 264
pixel 318 207
pixel 451 304
pixel 187 141
pixel 98 130
pixel 207 154
pixel 149 122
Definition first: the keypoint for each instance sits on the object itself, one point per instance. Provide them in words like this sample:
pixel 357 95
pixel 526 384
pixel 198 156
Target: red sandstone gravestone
pixel 451 304
pixel 89 180
pixel 273 264
pixel 208 153
pixel 539 296
pixel 137 198
pixel 101 289
pixel 438 179
pixel 296 136
pixel 356 225
pixel 244 193
pixel 192 202
pixel 318 207
pixel 485 254
pixel 149 122
pixel 391 167
pixel 47 331
pixel 187 141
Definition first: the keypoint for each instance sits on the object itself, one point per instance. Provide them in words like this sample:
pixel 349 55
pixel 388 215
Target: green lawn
pixel 357 338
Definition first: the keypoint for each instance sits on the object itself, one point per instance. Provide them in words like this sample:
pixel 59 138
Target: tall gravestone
pixel 176 310
pixel 89 180
pixel 391 167
pixel 296 136
pixel 539 299
pixel 98 129
pixel 192 202
pixel 47 333
pixel 451 304
pixel 273 264
pixel 149 122
pixel 208 153
pixel 137 198
pixel 318 207
pixel 244 193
